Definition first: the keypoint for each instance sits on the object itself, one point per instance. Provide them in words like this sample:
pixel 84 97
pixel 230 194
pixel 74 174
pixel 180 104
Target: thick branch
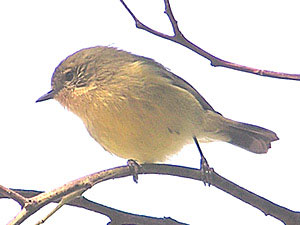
pixel 179 38
pixel 267 207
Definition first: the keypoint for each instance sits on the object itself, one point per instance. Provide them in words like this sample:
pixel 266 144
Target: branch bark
pixel 116 216
pixel 34 203
pixel 179 38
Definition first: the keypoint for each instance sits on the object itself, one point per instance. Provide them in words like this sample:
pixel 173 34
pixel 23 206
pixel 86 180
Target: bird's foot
pixel 205 170
pixel 134 169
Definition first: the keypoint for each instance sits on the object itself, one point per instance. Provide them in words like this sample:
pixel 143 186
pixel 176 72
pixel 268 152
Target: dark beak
pixel 47 96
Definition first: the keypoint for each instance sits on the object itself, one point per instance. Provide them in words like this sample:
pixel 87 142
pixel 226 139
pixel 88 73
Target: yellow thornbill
pixel 137 109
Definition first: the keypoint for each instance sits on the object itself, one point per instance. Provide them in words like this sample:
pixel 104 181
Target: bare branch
pixel 285 215
pixel 179 38
pixel 174 23
pixel 116 216
pixel 13 195
pixel 140 25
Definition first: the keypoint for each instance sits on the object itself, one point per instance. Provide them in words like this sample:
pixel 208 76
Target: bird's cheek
pixel 64 97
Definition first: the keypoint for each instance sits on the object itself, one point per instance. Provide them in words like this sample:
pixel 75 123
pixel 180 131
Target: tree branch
pixel 116 216
pixel 6 192
pixel 34 203
pixel 179 38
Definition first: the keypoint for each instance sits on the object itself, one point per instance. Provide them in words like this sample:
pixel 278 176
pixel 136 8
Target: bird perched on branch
pixel 137 109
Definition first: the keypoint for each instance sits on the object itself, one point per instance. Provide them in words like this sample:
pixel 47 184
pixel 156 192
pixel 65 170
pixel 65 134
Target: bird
pixel 137 109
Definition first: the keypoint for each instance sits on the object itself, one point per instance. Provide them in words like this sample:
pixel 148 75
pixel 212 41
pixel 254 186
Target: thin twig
pixel 179 38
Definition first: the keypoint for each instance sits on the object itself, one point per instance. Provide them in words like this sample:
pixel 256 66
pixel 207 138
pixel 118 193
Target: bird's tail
pixel 250 137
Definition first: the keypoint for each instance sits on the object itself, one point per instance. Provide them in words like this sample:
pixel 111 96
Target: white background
pixel 44 146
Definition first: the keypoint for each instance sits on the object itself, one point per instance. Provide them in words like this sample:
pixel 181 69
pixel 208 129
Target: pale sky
pixel 44 146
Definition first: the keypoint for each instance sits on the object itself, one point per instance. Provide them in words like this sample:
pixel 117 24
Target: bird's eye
pixel 69 76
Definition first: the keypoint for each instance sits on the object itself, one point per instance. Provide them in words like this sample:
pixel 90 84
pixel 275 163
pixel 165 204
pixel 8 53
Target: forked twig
pixel 6 192
pixel 285 215
pixel 179 38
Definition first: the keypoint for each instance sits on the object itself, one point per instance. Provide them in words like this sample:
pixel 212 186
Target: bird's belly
pixel 139 132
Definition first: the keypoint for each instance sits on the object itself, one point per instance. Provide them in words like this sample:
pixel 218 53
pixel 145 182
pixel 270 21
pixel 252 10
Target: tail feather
pixel 250 137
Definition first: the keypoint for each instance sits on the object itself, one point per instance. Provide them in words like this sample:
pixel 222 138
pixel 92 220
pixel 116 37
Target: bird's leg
pixel 134 169
pixel 203 161
pixel 204 167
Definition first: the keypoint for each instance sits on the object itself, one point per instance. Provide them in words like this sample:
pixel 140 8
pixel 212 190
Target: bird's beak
pixel 47 96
